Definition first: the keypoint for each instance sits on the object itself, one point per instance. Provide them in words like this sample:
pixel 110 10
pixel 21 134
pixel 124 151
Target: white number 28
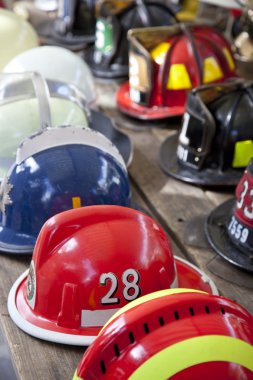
pixel 130 278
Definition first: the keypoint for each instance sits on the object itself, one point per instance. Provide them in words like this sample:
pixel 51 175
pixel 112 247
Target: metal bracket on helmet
pixel 8 86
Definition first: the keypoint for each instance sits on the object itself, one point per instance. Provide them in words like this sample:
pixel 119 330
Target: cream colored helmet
pixel 57 64
pixel 16 36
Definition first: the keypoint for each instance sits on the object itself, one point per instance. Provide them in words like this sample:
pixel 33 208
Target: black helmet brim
pixel 205 177
pixel 218 238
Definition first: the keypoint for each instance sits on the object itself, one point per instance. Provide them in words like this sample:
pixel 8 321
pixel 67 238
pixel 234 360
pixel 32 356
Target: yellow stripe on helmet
pixel 242 154
pixel 212 70
pixel 179 78
pixel 76 202
pixel 229 58
pixel 76 377
pixel 159 52
pixel 148 297
pixel 194 351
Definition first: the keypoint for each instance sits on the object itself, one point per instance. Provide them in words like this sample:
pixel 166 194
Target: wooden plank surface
pixel 181 210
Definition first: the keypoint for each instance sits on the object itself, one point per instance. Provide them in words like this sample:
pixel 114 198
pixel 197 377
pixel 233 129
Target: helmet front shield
pixel 216 138
pixel 198 129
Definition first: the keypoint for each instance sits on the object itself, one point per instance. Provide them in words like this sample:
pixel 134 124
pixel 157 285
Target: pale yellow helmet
pixel 16 36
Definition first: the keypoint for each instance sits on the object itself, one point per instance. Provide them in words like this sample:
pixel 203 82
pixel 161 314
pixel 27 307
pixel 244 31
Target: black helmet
pixel 73 27
pixel 229 228
pixel 109 57
pixel 215 142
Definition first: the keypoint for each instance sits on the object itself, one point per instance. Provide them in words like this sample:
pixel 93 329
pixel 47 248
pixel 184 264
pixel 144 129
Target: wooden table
pixel 181 210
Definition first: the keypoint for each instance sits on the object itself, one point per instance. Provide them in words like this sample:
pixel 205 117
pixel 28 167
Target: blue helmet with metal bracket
pixel 58 169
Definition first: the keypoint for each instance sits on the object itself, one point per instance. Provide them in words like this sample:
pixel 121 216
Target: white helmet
pixel 57 64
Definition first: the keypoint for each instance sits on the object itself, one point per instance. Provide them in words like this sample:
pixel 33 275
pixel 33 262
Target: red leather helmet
pixel 166 62
pixel 89 262
pixel 173 334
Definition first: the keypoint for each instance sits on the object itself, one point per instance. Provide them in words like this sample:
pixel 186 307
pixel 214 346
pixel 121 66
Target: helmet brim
pixel 208 177
pixel 191 277
pixel 130 108
pixel 107 72
pixel 48 36
pixel 24 317
pixel 217 236
pixel 14 243
pixel 104 125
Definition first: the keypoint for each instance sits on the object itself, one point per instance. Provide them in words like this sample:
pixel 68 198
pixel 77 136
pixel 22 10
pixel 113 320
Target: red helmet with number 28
pixel 89 262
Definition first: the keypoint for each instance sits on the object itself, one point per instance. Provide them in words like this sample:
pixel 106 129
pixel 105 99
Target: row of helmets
pixel 212 149
pixel 72 246
pixel 75 24
pixel 121 307
pixel 56 167
pixel 164 63
pixel 166 66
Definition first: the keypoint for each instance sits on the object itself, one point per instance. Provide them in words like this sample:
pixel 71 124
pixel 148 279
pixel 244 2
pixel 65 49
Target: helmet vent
pixel 131 337
pixel 116 349
pixel 146 328
pixel 102 366
pixel 176 314
pixel 161 321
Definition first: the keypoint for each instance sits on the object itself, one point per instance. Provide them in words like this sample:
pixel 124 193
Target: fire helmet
pixel 215 143
pixel 166 62
pixel 85 267
pixel 175 334
pixel 55 170
pixel 229 227
pixel 243 42
pixel 18 93
pixel 11 26
pixel 109 57
pixel 67 105
pixel 73 27
pixel 58 65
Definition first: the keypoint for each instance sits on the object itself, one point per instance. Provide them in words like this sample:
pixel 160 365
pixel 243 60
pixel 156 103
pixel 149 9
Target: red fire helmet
pixel 173 334
pixel 89 262
pixel 166 62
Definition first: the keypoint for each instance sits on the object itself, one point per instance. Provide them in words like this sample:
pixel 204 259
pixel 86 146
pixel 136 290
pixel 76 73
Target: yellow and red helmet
pixel 173 334
pixel 166 62
pixel 89 262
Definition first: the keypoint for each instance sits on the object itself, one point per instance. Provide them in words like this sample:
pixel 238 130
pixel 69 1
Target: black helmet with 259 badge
pixel 229 228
